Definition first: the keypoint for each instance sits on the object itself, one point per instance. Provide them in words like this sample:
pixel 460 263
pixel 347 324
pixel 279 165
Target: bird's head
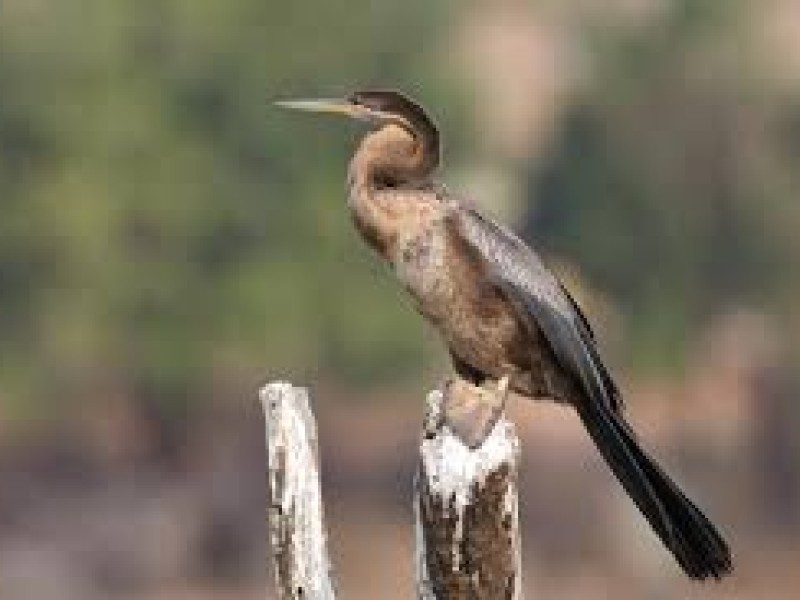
pixel 378 107
pixel 382 108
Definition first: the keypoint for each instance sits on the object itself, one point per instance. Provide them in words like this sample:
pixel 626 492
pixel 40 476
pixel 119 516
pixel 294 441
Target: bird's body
pixel 419 229
pixel 500 311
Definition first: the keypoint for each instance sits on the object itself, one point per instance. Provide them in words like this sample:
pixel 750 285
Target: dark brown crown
pixel 392 102
pixel 395 103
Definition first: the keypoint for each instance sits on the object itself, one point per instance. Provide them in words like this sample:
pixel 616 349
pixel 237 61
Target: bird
pixel 503 315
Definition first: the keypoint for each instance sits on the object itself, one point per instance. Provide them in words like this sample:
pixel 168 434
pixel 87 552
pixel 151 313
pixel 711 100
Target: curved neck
pixel 392 156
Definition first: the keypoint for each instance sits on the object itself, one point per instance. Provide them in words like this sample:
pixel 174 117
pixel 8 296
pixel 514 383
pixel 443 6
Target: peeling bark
pixel 294 512
pixel 465 503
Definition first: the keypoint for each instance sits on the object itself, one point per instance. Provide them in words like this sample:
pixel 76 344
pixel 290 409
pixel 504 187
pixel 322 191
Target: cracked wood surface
pixel 465 505
pixel 465 501
pixel 294 511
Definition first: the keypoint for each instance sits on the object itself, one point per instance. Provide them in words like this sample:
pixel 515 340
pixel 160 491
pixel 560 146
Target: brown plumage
pixel 499 310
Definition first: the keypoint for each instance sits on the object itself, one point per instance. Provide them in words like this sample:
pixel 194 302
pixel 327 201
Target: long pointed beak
pixel 332 105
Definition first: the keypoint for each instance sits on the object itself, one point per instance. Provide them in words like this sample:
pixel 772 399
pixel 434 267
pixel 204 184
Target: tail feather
pixel 684 530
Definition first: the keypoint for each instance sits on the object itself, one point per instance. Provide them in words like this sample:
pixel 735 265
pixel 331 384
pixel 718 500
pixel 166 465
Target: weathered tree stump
pixel 465 501
pixel 295 513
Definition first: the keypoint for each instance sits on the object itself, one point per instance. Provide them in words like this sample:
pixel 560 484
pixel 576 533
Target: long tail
pixel 684 530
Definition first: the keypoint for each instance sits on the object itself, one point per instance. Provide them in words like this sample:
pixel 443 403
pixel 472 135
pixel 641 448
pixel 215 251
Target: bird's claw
pixel 471 412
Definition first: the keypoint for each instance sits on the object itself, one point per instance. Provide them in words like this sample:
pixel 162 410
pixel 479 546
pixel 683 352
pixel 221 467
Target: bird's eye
pixel 355 99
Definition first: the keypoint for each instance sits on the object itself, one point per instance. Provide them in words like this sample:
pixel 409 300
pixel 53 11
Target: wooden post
pixel 294 512
pixel 465 504
pixel 465 501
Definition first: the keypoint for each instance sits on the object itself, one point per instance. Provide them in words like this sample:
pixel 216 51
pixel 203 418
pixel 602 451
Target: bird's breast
pixel 454 294
pixel 419 261
pixel 447 281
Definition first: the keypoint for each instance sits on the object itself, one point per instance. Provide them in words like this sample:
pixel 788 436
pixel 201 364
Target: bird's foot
pixel 472 411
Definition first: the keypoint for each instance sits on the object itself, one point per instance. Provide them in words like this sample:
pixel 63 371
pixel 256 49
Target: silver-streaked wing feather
pixel 538 297
pixel 510 258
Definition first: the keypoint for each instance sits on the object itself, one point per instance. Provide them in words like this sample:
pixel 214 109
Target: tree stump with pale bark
pixel 465 505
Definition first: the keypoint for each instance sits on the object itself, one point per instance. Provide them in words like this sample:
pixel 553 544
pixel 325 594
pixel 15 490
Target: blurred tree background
pixel 674 181
pixel 163 224
pixel 169 239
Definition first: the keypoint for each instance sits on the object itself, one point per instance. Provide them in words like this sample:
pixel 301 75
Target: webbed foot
pixel 472 411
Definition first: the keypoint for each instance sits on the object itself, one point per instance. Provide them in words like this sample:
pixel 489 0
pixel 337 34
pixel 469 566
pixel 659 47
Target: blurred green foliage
pixel 671 184
pixel 161 221
pixel 163 228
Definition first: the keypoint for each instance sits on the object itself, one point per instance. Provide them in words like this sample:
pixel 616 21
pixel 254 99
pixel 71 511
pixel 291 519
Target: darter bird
pixel 502 314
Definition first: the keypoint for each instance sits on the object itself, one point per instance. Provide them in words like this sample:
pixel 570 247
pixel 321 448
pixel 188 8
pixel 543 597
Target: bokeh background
pixel 169 241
